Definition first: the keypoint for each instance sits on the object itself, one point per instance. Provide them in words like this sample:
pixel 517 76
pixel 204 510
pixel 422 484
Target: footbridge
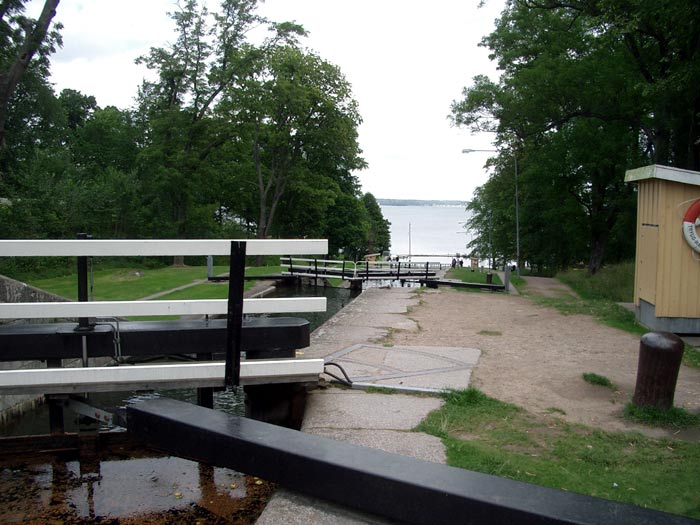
pixel 359 271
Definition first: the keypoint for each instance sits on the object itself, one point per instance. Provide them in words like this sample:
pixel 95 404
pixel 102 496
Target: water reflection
pixel 336 299
pixel 134 490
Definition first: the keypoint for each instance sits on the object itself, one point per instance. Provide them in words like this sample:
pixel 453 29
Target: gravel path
pixel 535 357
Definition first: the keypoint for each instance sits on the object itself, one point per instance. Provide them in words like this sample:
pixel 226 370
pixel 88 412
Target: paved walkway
pixel 358 338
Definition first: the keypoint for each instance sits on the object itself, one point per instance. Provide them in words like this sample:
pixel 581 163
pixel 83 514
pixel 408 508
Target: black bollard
pixel 660 355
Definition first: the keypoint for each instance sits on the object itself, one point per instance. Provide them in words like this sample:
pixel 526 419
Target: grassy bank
pixel 128 284
pixel 487 435
pixel 613 283
pixel 468 275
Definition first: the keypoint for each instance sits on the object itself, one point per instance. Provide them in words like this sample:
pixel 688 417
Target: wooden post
pixel 660 355
pixel 56 420
pixel 83 296
pixel 205 395
pixel 234 318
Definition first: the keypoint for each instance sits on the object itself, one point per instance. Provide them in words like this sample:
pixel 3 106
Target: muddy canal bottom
pixel 124 484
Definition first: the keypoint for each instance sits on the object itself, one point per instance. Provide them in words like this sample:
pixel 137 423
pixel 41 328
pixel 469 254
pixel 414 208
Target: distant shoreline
pixel 417 202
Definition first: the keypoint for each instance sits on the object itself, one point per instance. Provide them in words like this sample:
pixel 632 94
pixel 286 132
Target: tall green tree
pixel 379 234
pixel 661 44
pixel 180 128
pixel 297 112
pixel 568 104
pixel 183 128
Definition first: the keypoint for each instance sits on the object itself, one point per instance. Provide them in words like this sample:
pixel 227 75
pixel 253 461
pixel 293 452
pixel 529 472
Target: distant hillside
pixel 416 202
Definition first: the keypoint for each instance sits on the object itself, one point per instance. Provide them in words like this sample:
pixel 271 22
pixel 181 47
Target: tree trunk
pixel 597 252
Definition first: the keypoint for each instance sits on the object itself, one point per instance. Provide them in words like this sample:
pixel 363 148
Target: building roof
pixel 656 171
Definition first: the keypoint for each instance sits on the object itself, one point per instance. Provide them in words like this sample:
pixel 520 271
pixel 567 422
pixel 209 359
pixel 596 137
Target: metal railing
pixel 358 270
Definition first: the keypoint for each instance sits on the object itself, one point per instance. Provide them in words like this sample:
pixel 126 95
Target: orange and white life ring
pixel 690 222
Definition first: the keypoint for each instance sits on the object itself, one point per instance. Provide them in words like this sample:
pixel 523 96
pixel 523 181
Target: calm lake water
pixel 435 230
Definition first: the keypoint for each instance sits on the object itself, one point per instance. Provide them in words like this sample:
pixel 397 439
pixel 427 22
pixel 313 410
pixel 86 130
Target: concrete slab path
pixel 358 339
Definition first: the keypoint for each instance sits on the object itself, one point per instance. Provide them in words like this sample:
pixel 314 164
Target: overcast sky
pixel 407 60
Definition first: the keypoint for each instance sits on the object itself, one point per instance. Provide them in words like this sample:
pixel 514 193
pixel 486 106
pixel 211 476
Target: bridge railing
pixel 365 270
pixel 314 267
pixel 230 372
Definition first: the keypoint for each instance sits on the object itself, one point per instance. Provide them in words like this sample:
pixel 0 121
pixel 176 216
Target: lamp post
pixel 517 207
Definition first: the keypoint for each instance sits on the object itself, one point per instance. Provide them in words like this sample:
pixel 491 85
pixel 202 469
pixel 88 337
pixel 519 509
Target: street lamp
pixel 517 208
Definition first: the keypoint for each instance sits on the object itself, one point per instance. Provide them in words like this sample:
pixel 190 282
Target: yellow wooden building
pixel 667 272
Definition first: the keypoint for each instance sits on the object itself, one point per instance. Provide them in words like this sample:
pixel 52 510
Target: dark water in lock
pixel 336 299
pixel 127 485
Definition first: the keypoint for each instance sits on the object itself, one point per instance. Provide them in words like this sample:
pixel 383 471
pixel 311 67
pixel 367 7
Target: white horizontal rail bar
pixel 145 308
pixel 349 274
pixel 98 379
pixel 285 261
pixel 63 248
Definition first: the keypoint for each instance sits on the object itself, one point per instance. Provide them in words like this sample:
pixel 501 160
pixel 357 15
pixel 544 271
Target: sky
pixel 407 60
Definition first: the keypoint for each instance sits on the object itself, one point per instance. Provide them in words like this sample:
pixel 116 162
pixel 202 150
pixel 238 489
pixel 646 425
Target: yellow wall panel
pixel 678 273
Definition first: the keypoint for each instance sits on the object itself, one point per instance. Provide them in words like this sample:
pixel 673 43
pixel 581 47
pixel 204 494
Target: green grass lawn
pixel 614 282
pixel 128 284
pixel 468 276
pixel 487 435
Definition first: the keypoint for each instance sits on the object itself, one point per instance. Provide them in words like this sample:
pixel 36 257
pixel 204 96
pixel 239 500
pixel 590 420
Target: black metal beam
pixel 234 316
pixel 371 480
pixel 261 338
pixel 434 283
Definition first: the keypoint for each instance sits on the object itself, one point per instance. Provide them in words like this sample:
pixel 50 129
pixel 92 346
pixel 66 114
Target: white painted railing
pixel 148 377
pixel 155 247
pixel 156 307
pixel 155 376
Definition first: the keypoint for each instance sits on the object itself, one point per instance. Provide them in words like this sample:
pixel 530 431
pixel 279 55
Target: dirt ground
pixel 535 357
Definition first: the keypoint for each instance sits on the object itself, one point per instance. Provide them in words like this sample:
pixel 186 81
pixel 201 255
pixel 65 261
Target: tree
pixel 379 235
pixel 183 126
pixel 660 40
pixel 180 128
pixel 347 227
pixel 22 38
pixel 78 107
pixel 298 113
pixel 582 138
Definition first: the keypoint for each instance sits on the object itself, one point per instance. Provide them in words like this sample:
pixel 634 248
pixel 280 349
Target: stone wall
pixel 12 291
